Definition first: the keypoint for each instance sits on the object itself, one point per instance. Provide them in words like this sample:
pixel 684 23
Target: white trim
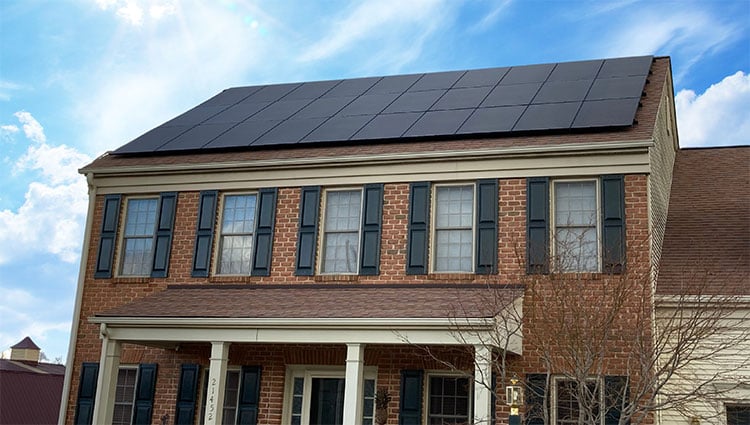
pixel 725 301
pixel 432 252
pixel 216 249
pixel 322 228
pixel 598 214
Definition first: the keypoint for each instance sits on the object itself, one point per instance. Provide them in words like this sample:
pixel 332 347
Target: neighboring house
pixel 30 390
pixel 706 264
pixel 283 253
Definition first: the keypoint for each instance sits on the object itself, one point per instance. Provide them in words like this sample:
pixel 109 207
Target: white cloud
pixel 717 117
pixel 31 127
pixel 6 87
pixel 133 12
pixel 8 131
pixel 489 19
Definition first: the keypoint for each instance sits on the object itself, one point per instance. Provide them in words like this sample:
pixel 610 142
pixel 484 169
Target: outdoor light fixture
pixel 514 395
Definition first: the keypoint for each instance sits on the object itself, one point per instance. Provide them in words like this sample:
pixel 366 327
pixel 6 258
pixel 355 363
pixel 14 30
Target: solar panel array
pixel 557 96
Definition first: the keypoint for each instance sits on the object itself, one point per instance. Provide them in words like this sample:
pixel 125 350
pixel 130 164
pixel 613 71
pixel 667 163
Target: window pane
pixel 340 253
pixel 239 214
pixel 137 256
pixel 140 217
pixel 576 249
pixel 237 227
pixel 231 391
pixel 449 400
pixel 342 210
pixel 453 250
pixel 455 205
pixel 236 254
pixel 341 238
pixel 140 222
pixel 576 244
pixel 575 203
pixel 124 396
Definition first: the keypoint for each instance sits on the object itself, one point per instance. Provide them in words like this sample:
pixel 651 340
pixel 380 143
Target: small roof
pixel 567 96
pixel 707 238
pixel 25 344
pixel 29 397
pixel 314 301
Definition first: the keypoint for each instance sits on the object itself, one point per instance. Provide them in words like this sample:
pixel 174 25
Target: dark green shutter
pixel 410 409
pixel 419 226
pixel 187 394
pixel 144 394
pixel 613 224
pixel 163 237
pixel 372 215
pixel 263 243
pixel 247 408
pixel 486 237
pixel 536 385
pixel 537 225
pixel 307 237
pixel 86 394
pixel 110 218
pixel 204 233
pixel 616 393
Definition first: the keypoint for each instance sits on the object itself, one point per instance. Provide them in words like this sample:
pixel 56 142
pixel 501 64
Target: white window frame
pixel 553 397
pixel 204 387
pixel 122 239
pixel 220 233
pixel 434 229
pixel 553 225
pixel 135 389
pixel 446 374
pixel 322 227
pixel 308 372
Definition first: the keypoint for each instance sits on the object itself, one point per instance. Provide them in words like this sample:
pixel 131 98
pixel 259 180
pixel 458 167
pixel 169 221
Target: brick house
pixel 283 254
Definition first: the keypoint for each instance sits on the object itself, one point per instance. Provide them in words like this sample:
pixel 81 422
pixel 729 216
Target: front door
pixel 327 401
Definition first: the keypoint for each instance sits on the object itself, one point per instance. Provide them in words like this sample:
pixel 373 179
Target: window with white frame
pixel 341 231
pixel 453 244
pixel 236 234
pixel 571 406
pixel 315 395
pixel 138 236
pixel 449 400
pixel 231 397
pixel 125 395
pixel 576 225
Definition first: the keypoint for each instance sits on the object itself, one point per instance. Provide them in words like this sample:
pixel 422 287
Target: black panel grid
pixel 494 101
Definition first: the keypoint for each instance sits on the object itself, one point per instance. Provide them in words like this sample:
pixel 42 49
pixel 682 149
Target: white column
pixel 217 375
pixel 106 383
pixel 353 387
pixel 482 384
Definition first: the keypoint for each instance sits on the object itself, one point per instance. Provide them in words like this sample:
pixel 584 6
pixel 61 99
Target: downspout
pixel 79 297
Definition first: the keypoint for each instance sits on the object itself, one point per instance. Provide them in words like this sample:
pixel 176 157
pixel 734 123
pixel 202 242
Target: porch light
pixel 514 394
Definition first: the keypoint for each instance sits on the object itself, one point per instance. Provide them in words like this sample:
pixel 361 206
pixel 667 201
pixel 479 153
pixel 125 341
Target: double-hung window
pixel 231 395
pixel 572 406
pixel 138 236
pixel 449 400
pixel 124 395
pixel 454 229
pixel 576 226
pixel 341 231
pixel 237 232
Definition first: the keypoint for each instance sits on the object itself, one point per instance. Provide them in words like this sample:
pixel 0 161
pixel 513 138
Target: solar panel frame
pixel 437 123
pixel 509 95
pixel 461 98
pixel 241 135
pixel 547 116
pixel 387 126
pixel 492 120
pixel 418 101
pixel 195 138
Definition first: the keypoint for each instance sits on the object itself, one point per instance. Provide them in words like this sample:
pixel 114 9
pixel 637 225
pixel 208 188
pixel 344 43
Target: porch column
pixel 355 356
pixel 106 382
pixel 483 412
pixel 217 375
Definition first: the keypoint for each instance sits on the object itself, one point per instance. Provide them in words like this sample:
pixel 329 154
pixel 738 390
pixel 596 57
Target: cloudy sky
pixel 80 77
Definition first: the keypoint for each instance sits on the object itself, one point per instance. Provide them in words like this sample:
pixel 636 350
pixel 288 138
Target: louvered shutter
pixel 486 230
pixel 537 225
pixel 307 236
pixel 418 231
pixel 372 215
pixel 105 255
pixel 616 393
pixel 86 394
pixel 144 394
pixel 410 409
pixel 204 233
pixel 247 408
pixel 163 237
pixel 187 394
pixel 263 244
pixel 613 224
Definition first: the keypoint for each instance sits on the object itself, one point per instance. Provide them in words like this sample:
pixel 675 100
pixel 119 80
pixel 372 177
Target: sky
pixel 81 77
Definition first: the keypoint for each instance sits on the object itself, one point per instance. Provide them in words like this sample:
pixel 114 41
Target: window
pixel 454 235
pixel 138 236
pixel 570 407
pixel 231 394
pixel 738 414
pixel 576 226
pixel 449 400
pixel 124 396
pixel 341 231
pixel 315 395
pixel 237 230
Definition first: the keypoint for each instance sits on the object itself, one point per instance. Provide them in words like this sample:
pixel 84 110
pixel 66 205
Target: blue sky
pixel 80 77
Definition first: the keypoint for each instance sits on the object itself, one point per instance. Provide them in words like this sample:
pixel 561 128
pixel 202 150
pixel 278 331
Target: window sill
pixel 453 277
pixel 131 279
pixel 336 278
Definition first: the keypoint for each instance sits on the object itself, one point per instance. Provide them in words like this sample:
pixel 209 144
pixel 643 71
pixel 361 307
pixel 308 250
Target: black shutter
pixel 204 233
pixel 613 224
pixel 419 227
pixel 486 236
pixel 187 394
pixel 144 394
pixel 263 243
pixel 493 399
pixel 536 384
pixel 307 238
pixel 616 395
pixel 410 409
pixel 86 394
pixel 163 237
pixel 105 256
pixel 247 408
pixel 537 225
pixel 372 215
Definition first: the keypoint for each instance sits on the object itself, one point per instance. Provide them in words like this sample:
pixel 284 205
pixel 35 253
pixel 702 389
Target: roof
pixel 566 96
pixel 30 394
pixel 25 344
pixel 707 238
pixel 301 301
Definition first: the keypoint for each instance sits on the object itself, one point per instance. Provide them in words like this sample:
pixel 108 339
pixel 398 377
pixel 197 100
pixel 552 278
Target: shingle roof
pixel 25 344
pixel 707 238
pixel 299 301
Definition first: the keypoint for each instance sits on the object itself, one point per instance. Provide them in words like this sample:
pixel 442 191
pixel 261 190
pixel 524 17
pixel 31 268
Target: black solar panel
pixel 494 101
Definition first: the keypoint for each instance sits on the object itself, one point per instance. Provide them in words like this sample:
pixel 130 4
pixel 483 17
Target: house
pixel 705 272
pixel 30 390
pixel 322 252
